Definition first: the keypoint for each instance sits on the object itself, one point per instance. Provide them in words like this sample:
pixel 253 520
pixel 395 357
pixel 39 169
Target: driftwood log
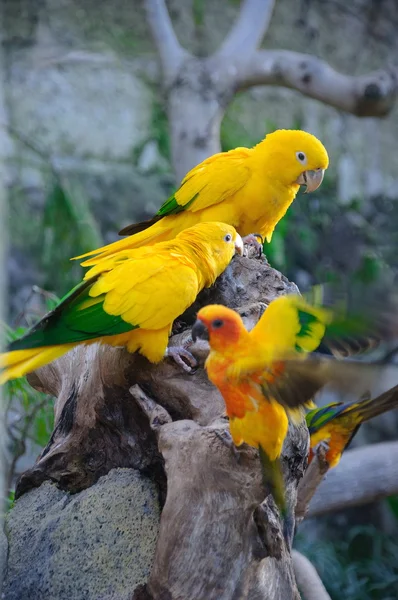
pixel 220 538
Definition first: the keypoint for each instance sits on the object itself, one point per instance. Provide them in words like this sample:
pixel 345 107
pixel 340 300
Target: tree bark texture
pixel 220 536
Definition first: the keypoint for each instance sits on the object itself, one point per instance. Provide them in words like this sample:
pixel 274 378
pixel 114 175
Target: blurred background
pixel 87 139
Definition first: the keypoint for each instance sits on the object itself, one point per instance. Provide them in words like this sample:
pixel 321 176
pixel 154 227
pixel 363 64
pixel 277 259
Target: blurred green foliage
pixel 160 129
pixel 29 413
pixel 199 11
pixel 69 229
pixel 361 567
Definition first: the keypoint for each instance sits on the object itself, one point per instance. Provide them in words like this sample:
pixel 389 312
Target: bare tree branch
pixel 170 51
pixel 308 580
pixel 364 475
pixel 249 29
pixel 313 476
pixel 371 95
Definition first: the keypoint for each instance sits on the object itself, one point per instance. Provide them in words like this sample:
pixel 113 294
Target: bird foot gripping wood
pixel 251 241
pixel 182 356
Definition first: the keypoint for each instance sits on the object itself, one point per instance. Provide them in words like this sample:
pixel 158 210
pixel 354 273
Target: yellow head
pixel 212 245
pixel 292 158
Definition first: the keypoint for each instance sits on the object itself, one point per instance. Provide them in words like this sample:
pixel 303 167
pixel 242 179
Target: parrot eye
pixel 217 323
pixel 301 157
pixel 228 237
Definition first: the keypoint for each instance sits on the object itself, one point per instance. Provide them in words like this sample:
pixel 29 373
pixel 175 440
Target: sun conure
pixel 266 375
pixel 336 424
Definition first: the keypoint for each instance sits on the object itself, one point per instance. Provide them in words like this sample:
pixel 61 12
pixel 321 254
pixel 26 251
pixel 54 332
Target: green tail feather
pixel 73 321
pixel 273 479
pixel 274 483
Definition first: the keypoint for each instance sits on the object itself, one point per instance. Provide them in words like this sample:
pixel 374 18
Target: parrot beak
pixel 311 179
pixel 199 331
pixel 238 245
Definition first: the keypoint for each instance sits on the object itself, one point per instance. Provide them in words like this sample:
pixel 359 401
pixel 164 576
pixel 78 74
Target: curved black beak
pixel 199 331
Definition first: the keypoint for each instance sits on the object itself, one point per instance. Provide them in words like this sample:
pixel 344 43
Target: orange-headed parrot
pixel 266 375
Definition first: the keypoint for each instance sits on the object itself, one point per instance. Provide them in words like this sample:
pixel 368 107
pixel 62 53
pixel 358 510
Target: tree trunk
pixel 197 99
pixel 219 536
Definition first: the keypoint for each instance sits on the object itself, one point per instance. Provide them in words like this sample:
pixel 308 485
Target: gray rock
pixel 3 554
pixel 96 545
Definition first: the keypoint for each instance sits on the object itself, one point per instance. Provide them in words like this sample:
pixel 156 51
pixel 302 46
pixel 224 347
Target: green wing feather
pixel 362 316
pixel 317 418
pixel 77 318
pixel 171 206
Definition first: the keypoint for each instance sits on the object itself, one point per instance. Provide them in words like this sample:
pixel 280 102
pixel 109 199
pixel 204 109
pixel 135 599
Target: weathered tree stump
pixel 219 536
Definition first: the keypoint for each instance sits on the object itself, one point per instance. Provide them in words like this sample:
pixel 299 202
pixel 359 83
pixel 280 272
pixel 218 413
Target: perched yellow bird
pixel 336 424
pixel 131 301
pixel 268 374
pixel 249 188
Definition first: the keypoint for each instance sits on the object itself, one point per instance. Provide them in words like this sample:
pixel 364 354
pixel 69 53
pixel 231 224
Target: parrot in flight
pixel 131 301
pixel 336 424
pixel 248 188
pixel 268 375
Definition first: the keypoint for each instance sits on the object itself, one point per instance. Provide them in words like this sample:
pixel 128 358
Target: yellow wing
pixel 290 326
pixel 212 181
pixel 131 293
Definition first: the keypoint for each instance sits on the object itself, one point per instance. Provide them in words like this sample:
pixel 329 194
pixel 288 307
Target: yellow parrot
pixel 248 188
pixel 131 301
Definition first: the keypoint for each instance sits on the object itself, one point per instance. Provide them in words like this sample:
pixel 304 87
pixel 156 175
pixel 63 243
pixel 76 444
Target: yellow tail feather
pixel 20 362
pixel 156 233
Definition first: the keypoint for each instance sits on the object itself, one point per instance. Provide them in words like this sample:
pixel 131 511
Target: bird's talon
pixel 251 240
pixel 323 446
pixel 182 357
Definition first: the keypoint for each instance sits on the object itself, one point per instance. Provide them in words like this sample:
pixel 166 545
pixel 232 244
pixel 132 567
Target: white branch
pixel 308 580
pixel 364 95
pixel 364 475
pixel 170 51
pixel 249 29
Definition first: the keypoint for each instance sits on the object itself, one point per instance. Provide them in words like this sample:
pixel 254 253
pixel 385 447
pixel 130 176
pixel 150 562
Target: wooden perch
pixel 313 476
pixel 220 537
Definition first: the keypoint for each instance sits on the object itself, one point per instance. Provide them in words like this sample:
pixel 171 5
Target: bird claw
pixel 323 447
pixel 225 436
pixel 182 357
pixel 251 240
pixel 321 451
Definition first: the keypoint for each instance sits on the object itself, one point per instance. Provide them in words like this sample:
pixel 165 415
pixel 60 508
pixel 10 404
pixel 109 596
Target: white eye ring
pixel 228 237
pixel 301 157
